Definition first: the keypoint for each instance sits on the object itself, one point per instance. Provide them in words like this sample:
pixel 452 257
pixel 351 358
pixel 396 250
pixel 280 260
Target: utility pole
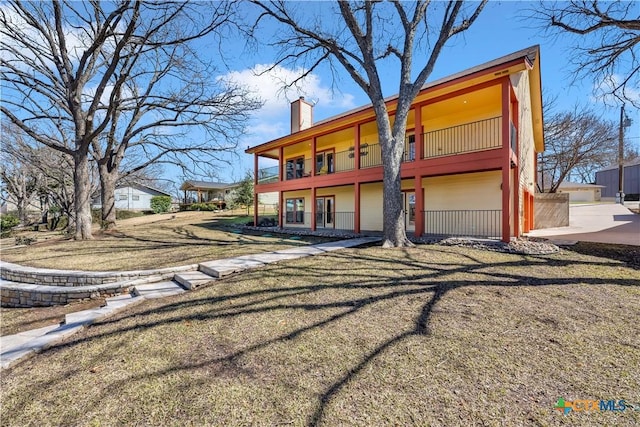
pixel 625 122
pixel 620 196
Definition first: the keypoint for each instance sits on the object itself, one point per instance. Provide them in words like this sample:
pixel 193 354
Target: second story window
pixel 295 168
pixel 410 148
pixel 325 163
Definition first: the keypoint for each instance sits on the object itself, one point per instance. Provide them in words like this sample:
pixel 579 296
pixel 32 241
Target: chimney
pixel 301 115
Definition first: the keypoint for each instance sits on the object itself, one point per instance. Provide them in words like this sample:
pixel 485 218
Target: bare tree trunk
pixel 21 206
pixel 108 179
pixel 82 199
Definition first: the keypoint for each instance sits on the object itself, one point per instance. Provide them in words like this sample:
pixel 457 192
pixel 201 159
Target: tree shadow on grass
pixel 391 280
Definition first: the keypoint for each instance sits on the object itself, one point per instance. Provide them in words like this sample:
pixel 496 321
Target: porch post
pixel 418 137
pixel 255 209
pixel 356 202
pixel 255 192
pixel 281 208
pixel 313 157
pixel 419 216
pixel 281 164
pixel 356 149
pixel 313 208
pixel 506 166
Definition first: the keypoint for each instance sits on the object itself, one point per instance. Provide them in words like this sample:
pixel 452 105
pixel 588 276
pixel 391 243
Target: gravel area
pixel 518 246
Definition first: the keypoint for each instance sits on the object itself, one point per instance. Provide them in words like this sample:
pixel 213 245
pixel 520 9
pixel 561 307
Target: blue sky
pixel 501 29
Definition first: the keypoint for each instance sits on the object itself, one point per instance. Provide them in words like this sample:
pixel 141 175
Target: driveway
pixel 603 223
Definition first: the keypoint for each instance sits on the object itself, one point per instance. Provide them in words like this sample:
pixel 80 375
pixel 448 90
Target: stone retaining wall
pixel 42 276
pixel 17 295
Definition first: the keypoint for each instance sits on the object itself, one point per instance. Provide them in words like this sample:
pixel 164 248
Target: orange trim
pixel 419 221
pixel 506 166
pixel 313 209
pixel 356 219
pixel 470 162
pixel 367 111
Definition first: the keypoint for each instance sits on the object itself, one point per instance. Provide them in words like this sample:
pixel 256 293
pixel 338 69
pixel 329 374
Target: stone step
pixel 157 290
pixel 193 279
pixel 225 267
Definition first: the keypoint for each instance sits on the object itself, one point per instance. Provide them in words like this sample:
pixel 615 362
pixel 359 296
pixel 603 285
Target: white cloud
pixel 274 86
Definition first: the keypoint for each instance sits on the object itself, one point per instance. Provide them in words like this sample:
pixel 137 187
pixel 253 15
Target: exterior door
pixel 409 202
pixel 325 212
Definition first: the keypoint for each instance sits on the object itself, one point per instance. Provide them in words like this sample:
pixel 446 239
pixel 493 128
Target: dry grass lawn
pixel 149 242
pixel 430 335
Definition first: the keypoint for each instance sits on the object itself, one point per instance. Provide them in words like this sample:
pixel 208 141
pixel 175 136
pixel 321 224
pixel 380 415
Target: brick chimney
pixel 301 115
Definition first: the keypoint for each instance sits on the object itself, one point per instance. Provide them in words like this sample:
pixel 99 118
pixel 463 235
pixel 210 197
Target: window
pixel 410 148
pixel 135 197
pixel 295 211
pixel 122 197
pixel 324 162
pixel 295 168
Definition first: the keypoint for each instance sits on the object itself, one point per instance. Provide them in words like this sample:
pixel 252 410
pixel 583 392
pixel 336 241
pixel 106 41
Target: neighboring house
pixel 581 192
pixel 469 162
pixel 218 193
pixel 608 178
pixel 132 197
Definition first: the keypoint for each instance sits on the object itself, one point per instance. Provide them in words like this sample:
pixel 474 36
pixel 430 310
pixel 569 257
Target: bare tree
pixel 31 171
pixel 19 178
pixel 577 142
pixel 370 33
pixel 65 64
pixel 162 99
pixel 606 49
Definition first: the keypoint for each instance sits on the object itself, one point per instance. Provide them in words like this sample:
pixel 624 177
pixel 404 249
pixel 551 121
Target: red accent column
pixel 281 208
pixel 282 164
pixel 313 207
pixel 356 148
pixel 313 158
pixel 506 166
pixel 255 193
pixel 419 205
pixel 516 179
pixel 356 199
pixel 516 201
pixel 419 144
pixel 255 209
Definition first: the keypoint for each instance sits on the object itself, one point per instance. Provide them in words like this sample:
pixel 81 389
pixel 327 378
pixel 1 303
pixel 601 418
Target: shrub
pixel 160 204
pixel 202 207
pixel 8 221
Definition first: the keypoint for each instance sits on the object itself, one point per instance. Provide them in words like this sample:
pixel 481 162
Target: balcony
pixel 466 138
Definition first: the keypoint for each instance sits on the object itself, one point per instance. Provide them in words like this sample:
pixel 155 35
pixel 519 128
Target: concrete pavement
pixel 14 348
pixel 601 223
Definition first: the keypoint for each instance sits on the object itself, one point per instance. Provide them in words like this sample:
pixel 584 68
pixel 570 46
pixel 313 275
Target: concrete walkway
pixel 14 348
pixel 602 223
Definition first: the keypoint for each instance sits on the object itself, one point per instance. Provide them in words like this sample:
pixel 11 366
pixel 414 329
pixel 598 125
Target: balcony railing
pixel 370 155
pixel 466 138
pixel 324 220
pixel 267 175
pixel 463 223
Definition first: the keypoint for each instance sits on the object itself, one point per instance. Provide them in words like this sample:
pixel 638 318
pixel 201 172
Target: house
pixel 132 197
pixel 217 193
pixel 608 178
pixel 469 161
pixel 581 192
